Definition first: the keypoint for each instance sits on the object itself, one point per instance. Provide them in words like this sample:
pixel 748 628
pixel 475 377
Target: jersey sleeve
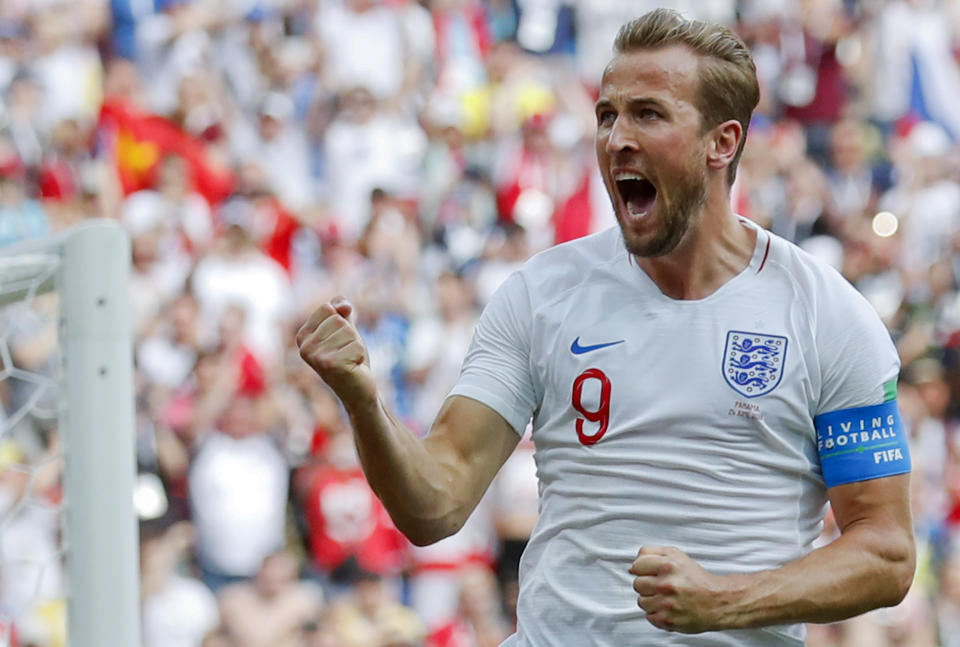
pixel 859 432
pixel 496 370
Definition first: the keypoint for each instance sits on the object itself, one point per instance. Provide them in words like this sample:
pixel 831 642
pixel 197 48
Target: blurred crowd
pixel 266 155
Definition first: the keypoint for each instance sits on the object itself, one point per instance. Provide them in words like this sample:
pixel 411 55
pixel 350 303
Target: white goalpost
pixel 87 268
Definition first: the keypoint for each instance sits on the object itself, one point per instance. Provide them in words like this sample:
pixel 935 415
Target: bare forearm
pixel 863 569
pixel 429 487
pixel 417 488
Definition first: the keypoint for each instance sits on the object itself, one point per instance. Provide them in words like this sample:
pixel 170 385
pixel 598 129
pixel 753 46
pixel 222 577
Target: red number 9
pixel 601 415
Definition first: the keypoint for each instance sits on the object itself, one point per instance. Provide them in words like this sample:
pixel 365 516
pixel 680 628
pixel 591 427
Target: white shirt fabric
pixel 386 151
pixel 687 460
pixel 437 347
pixel 258 284
pixel 286 161
pixel 164 362
pixel 180 614
pixel 148 210
pixel 29 555
pixel 238 494
pixel 71 77
pixel 363 48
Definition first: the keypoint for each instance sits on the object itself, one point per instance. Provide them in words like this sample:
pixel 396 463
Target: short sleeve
pixel 858 360
pixel 859 432
pixel 496 370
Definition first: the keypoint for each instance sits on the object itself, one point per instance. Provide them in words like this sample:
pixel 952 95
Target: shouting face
pixel 650 146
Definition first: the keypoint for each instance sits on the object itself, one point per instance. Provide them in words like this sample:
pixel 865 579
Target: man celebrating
pixel 699 390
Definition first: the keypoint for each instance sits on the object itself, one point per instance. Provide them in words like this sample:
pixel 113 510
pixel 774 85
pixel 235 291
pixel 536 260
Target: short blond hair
pixel 728 77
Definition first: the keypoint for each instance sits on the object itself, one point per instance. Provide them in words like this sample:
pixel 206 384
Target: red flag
pixel 574 216
pixel 139 140
pixel 280 228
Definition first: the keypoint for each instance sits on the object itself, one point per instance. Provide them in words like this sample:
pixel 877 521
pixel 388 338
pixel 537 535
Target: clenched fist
pixel 330 344
pixel 677 593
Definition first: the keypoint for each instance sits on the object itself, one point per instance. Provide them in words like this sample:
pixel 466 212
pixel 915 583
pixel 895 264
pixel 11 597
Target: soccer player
pixel 699 388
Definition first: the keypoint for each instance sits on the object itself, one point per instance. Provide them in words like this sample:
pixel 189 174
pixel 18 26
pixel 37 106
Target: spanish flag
pixel 139 140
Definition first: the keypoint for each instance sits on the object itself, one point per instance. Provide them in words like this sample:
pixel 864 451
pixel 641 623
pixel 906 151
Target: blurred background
pixel 267 155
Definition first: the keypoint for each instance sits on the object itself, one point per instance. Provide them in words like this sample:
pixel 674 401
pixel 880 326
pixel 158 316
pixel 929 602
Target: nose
pixel 622 137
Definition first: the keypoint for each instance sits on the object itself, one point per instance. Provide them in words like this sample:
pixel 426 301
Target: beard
pixel 678 209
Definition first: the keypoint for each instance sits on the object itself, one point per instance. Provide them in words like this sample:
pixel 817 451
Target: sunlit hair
pixel 728 77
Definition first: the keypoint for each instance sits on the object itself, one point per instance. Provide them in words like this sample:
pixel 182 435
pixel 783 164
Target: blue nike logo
pixel 577 349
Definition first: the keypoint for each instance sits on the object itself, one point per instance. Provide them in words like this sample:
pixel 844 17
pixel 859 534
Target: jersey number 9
pixel 601 414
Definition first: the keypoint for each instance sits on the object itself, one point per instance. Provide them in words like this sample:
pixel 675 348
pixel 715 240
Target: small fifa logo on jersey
pixel 753 362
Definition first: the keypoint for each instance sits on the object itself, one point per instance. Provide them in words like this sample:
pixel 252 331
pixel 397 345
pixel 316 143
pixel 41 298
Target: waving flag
pixel 139 140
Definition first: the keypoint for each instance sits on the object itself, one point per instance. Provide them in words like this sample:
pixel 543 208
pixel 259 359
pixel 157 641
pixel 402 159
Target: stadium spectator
pixel 168 352
pixel 235 272
pixel 366 147
pixel 270 610
pixel 364 45
pixel 32 583
pixel 927 199
pixel 347 526
pixel 515 514
pixel 22 117
pixel 478 621
pixel 436 342
pixel 913 75
pixel 178 610
pixel 21 216
pixel 437 571
pixel 948 604
pixel 282 152
pixel 181 217
pixel 66 65
pixel 238 491
pixel 371 615
pixel 391 242
pixel 854 182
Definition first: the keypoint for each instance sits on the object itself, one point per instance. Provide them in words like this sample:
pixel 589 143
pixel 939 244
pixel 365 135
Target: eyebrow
pixel 637 102
pixel 634 102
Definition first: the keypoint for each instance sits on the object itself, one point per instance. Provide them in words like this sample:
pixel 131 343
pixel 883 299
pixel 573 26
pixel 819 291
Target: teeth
pixel 628 176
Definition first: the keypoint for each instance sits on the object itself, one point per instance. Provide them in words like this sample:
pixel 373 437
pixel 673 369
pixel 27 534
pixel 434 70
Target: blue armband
pixel 861 444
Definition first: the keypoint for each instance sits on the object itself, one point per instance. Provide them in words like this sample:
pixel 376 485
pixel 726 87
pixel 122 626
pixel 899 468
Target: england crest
pixel 753 362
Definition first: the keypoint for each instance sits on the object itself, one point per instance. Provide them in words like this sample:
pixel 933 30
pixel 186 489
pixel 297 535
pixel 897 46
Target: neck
pixel 715 249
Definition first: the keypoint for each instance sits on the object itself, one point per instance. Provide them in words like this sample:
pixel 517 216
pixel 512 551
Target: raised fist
pixel 330 344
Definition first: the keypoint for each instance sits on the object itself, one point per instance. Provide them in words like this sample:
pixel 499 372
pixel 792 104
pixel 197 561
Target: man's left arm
pixel 870 565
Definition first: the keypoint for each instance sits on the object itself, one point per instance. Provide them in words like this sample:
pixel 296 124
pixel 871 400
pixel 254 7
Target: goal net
pixel 68 547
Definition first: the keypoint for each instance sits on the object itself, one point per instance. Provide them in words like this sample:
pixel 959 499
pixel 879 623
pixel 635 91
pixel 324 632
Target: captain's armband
pixel 861 444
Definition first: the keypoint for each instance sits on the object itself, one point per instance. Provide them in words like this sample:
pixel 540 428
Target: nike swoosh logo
pixel 577 349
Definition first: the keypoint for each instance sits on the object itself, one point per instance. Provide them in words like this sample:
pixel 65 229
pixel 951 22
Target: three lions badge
pixel 753 362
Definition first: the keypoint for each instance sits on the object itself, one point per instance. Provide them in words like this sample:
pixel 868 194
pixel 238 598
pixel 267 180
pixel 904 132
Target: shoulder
pixel 236 596
pixel 843 326
pixel 587 249
pixel 570 263
pixel 818 284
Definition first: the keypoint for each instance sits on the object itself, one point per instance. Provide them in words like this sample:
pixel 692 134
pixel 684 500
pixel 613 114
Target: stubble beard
pixel 678 212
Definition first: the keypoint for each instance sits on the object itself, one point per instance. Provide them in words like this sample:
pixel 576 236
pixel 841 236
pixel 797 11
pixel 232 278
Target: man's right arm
pixel 428 486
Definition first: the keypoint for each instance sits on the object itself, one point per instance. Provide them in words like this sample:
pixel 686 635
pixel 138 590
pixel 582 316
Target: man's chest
pixel 683 369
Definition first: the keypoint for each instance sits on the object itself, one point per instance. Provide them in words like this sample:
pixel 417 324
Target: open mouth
pixel 638 194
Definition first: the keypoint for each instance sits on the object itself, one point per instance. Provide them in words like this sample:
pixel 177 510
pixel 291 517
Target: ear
pixel 724 141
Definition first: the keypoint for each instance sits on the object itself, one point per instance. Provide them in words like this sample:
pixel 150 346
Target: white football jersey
pixel 684 423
